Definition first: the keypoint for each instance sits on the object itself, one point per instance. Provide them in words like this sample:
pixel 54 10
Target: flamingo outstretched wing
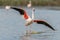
pixel 29 20
pixel 23 13
pixel 44 23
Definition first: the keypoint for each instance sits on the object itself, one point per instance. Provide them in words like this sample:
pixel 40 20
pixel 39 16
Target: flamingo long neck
pixel 33 11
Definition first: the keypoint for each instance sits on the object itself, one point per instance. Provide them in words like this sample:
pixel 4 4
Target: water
pixel 12 25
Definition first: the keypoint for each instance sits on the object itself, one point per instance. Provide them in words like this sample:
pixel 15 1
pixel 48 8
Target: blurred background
pixel 34 2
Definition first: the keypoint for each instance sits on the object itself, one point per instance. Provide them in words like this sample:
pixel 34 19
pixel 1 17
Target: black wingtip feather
pixel 21 11
pixel 45 23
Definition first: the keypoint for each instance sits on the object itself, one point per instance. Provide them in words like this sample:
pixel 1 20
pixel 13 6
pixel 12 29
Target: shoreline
pixel 37 7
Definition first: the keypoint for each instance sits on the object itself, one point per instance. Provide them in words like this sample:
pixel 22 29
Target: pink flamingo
pixel 28 19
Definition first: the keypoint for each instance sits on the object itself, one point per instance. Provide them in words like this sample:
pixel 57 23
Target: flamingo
pixel 28 19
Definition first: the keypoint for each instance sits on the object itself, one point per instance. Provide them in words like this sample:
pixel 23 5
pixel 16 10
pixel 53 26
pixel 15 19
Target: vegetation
pixel 34 2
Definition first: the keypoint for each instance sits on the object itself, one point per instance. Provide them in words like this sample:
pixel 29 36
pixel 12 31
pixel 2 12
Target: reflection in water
pixel 42 36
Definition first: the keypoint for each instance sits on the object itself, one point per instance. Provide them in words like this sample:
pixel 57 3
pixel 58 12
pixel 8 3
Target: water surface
pixel 12 25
